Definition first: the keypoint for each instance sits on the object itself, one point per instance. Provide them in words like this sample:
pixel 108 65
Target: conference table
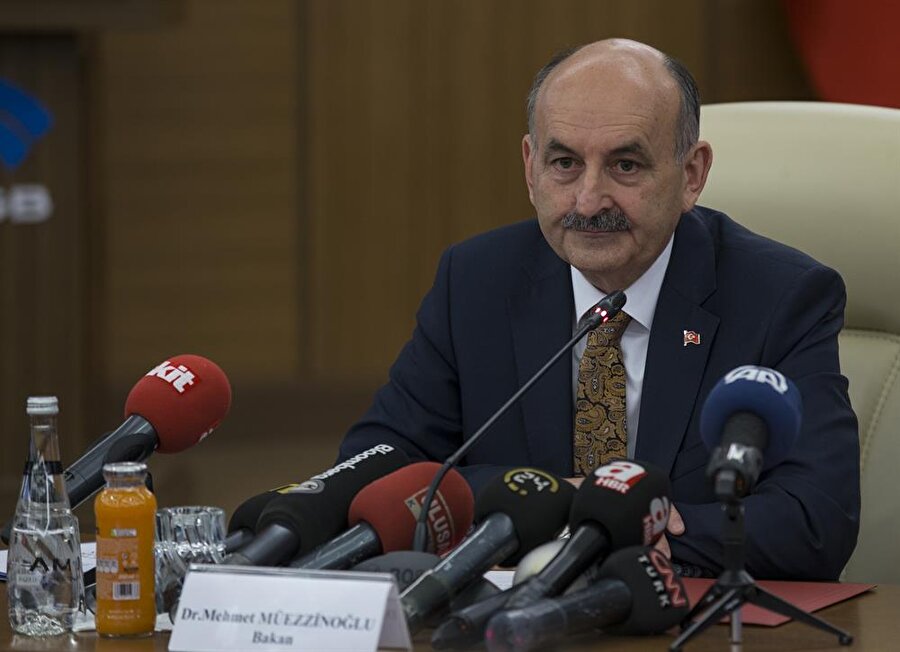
pixel 873 618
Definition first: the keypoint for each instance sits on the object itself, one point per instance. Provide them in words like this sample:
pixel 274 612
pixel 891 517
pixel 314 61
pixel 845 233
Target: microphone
pixel 750 421
pixel 242 525
pixel 383 517
pixel 517 511
pixel 620 504
pixel 603 311
pixel 639 593
pixel 301 517
pixel 407 565
pixel 174 406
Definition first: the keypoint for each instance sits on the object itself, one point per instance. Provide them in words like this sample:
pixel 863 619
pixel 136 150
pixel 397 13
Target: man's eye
pixel 626 166
pixel 564 163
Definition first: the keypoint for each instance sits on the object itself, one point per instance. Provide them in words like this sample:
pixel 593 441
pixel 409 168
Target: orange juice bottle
pixel 126 515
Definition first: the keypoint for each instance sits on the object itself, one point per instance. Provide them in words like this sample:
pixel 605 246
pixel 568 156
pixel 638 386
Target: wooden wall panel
pixel 45 299
pixel 283 176
pixel 270 183
pixel 200 161
pixel 415 117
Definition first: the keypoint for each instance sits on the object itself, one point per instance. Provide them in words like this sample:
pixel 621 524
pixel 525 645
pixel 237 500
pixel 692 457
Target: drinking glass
pixel 191 534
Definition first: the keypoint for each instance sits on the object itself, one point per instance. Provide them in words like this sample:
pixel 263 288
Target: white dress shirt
pixel 641 306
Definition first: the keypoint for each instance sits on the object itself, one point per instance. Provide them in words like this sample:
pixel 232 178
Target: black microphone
pixel 639 593
pixel 242 525
pixel 602 312
pixel 620 504
pixel 307 515
pixel 750 421
pixel 407 566
pixel 517 511
pixel 453 631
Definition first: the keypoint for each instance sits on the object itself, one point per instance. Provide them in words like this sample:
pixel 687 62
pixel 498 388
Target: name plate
pixel 275 609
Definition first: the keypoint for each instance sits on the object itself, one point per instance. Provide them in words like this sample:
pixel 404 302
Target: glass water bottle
pixel 44 580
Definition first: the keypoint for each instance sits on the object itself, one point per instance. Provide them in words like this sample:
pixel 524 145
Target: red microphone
pixel 383 517
pixel 185 398
pixel 173 407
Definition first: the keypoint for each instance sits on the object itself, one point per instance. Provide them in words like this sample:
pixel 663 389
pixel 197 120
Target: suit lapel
pixel 674 370
pixel 541 322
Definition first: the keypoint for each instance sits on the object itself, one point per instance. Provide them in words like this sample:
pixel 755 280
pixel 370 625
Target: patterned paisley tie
pixel 600 434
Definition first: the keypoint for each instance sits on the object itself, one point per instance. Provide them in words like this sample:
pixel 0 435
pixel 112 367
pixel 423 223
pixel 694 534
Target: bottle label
pixel 51 467
pixel 117 568
pixel 27 579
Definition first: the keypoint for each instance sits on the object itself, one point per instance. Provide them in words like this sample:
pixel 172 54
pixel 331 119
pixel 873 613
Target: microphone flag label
pixel 656 520
pixel 763 375
pixel 440 523
pixel 619 476
pixel 180 378
pixel 669 590
pixel 523 480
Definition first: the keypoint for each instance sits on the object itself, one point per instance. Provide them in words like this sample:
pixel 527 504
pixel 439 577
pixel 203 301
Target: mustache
pixel 607 220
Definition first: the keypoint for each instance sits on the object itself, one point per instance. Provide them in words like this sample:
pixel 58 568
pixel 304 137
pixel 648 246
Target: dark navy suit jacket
pixel 502 304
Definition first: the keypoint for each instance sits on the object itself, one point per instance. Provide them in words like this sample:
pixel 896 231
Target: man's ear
pixel 528 154
pixel 696 168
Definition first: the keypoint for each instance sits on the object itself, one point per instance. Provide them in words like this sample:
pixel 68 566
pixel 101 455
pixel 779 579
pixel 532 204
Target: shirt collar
pixel 642 294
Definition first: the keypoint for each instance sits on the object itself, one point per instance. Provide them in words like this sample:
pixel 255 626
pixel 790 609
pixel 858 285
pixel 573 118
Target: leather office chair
pixel 825 178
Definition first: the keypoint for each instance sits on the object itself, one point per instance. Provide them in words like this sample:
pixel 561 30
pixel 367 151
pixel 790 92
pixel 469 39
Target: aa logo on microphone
pixel 763 375
pixel 619 476
pixel 180 378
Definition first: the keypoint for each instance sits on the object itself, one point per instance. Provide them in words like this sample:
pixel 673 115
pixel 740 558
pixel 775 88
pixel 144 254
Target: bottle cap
pixel 42 405
pixel 124 468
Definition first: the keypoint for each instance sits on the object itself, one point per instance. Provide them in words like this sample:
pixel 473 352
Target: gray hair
pixel 687 127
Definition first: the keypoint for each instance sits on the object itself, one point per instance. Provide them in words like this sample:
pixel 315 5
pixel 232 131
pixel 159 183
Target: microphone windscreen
pixel 247 513
pixel 392 504
pixel 630 500
pixel 534 562
pixel 761 391
pixel 316 510
pixel 658 598
pixel 537 502
pixel 184 398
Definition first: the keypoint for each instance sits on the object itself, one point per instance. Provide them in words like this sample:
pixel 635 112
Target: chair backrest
pixel 825 178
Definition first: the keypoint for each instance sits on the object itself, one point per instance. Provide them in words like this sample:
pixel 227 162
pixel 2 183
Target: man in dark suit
pixel 614 169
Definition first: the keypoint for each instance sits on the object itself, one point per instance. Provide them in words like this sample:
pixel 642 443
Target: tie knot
pixel 610 332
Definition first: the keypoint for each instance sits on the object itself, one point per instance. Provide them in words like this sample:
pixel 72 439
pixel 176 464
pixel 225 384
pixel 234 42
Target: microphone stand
pixel 606 309
pixel 736 587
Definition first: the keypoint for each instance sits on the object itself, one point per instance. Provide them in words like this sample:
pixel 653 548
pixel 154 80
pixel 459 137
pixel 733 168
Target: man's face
pixel 602 173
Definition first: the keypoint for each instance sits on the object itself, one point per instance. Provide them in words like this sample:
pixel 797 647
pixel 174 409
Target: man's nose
pixel 593 193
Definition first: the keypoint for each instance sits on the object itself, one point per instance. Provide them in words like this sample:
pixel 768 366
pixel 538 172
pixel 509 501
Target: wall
pixel 270 184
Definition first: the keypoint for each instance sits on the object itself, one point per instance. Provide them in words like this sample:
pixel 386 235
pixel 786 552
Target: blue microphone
pixel 750 422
